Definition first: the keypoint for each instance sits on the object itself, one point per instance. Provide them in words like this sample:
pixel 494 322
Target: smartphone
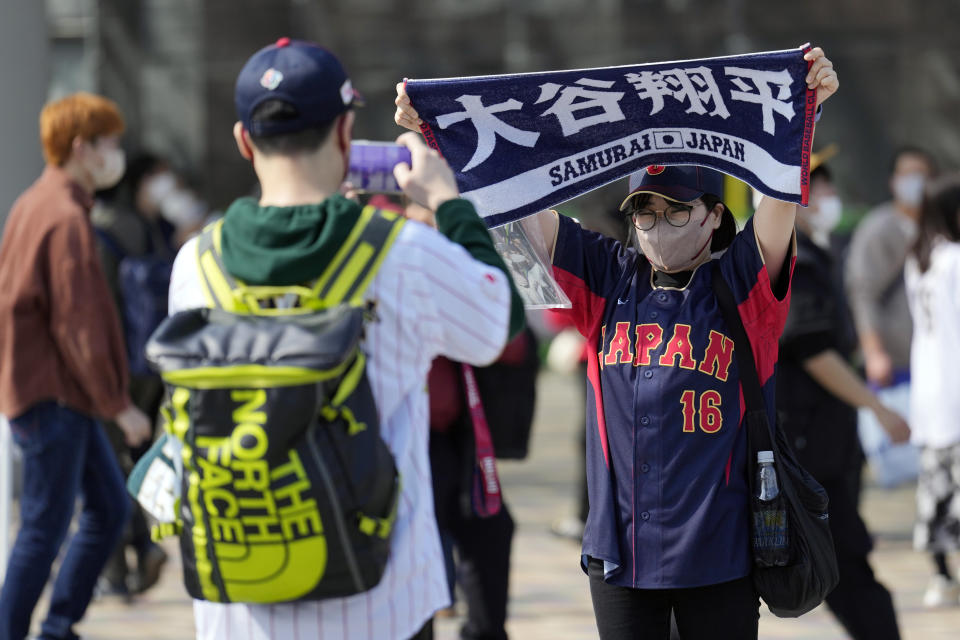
pixel 372 163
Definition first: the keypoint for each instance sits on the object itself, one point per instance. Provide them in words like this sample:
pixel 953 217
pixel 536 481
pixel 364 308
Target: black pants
pixel 482 544
pixel 726 611
pixel 861 604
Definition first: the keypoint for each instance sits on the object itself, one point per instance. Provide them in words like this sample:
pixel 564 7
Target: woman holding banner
pixel 666 460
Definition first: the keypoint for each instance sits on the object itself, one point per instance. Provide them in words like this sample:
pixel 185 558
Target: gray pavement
pixel 549 593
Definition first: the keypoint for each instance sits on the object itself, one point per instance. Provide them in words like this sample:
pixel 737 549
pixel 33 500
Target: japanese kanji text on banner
pixel 521 143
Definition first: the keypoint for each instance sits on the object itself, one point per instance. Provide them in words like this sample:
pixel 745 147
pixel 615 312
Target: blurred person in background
pixel 178 204
pixel 874 270
pixel 136 246
pixel 818 393
pixel 482 541
pixel 165 197
pixel 567 354
pixel 933 291
pixel 63 367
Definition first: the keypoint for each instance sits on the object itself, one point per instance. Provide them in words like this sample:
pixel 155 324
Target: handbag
pixel 809 569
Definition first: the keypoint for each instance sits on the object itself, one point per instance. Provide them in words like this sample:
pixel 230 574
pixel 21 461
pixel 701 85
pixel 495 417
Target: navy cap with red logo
pixel 302 74
pixel 682 183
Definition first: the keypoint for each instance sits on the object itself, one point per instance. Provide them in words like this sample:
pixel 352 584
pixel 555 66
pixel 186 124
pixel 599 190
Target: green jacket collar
pixel 284 245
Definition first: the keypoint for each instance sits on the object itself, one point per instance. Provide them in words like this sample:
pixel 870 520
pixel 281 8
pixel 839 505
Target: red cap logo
pixel 655 169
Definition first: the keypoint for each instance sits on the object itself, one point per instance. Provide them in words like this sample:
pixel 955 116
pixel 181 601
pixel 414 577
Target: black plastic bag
pixel 811 573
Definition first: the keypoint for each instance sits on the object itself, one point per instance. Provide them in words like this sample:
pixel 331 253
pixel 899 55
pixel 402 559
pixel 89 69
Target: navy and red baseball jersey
pixel 666 457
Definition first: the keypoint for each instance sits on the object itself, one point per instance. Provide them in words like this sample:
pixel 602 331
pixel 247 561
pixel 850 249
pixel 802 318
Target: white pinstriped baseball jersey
pixel 432 299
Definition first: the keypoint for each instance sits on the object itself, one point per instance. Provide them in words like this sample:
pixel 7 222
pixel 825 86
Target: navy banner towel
pixel 525 142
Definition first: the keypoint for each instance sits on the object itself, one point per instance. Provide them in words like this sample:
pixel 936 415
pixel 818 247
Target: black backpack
pixel 288 491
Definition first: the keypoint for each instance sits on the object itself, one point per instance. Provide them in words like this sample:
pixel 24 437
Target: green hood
pixel 284 245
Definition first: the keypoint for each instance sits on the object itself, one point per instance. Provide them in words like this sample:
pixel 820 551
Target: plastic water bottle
pixel 766 476
pixel 770 543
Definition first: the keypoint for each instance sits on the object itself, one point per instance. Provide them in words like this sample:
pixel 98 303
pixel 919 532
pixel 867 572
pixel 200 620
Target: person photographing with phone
pixel 435 292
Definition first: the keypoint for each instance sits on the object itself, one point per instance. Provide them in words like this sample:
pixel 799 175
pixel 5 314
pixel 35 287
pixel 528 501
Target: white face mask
pixel 183 209
pixel 824 219
pixel 106 174
pixel 828 214
pixel 908 189
pixel 158 187
pixel 673 249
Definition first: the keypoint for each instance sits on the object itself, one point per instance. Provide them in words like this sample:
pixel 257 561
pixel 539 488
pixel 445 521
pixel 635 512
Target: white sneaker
pixel 941 592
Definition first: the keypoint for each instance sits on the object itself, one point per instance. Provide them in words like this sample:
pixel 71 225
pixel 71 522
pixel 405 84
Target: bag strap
pixel 486 485
pixel 749 379
pixel 218 285
pixel 357 261
pixel 343 281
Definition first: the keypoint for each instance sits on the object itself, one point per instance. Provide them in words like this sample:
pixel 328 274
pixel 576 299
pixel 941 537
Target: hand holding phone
pixel 372 163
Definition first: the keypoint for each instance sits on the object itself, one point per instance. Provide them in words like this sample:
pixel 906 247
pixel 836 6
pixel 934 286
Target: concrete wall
pixel 24 76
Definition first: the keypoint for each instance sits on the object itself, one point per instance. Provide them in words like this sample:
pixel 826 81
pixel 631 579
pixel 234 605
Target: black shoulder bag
pixel 800 578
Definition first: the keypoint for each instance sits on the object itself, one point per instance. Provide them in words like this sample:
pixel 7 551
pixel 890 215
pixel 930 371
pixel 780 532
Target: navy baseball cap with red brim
pixel 682 183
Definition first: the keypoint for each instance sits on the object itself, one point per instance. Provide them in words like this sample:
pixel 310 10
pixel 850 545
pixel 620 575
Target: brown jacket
pixel 60 337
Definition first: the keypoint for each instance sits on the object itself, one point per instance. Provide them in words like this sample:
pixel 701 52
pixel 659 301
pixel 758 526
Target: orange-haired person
pixel 62 367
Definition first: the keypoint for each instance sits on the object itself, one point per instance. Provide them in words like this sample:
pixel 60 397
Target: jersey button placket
pixel 646 535
pixel 645 542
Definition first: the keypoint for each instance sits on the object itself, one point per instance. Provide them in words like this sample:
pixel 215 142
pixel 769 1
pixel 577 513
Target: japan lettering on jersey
pixel 666 458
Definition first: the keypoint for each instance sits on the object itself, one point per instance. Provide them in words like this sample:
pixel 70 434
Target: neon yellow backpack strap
pixel 344 280
pixel 357 261
pixel 219 287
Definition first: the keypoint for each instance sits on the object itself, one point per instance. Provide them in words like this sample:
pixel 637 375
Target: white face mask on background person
pixel 828 214
pixel 824 219
pixel 109 170
pixel 671 249
pixel 908 189
pixel 183 209
pixel 158 187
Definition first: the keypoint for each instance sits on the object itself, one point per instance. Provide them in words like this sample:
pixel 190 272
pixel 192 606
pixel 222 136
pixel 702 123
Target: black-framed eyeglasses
pixel 676 215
